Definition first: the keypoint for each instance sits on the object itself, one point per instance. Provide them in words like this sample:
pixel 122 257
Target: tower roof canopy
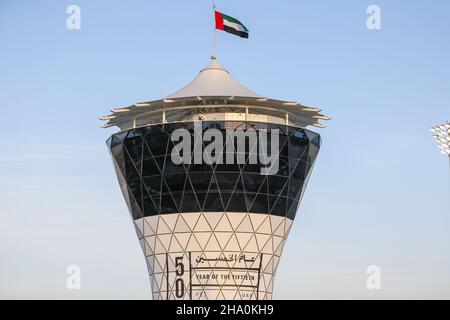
pixel 214 80
pixel 214 94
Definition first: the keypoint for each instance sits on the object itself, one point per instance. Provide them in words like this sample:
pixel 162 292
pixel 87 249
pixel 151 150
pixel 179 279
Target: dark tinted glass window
pixel 143 156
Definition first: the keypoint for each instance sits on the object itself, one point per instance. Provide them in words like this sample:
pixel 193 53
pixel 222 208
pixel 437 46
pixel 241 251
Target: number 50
pixel 179 282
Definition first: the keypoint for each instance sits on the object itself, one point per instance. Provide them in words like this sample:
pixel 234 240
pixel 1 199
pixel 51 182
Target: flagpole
pixel 213 56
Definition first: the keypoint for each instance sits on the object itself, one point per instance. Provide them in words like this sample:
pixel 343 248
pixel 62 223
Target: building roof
pixel 213 88
pixel 214 80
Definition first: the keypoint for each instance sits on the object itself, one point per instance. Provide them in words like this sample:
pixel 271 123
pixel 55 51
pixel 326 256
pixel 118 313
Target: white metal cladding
pixel 215 255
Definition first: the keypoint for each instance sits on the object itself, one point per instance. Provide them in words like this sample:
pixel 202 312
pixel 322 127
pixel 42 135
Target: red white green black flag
pixel 230 25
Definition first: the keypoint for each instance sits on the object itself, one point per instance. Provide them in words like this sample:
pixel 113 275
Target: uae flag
pixel 230 25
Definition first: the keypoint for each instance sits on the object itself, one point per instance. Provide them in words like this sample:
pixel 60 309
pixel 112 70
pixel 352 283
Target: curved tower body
pixel 213 176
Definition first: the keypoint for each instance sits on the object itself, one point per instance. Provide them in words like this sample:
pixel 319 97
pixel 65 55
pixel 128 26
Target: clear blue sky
pixel 379 193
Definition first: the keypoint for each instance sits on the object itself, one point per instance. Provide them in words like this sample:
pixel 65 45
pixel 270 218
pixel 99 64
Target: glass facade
pixel 154 185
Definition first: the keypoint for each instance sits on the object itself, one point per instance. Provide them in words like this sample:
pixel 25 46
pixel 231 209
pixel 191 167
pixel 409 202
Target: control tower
pixel 213 176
